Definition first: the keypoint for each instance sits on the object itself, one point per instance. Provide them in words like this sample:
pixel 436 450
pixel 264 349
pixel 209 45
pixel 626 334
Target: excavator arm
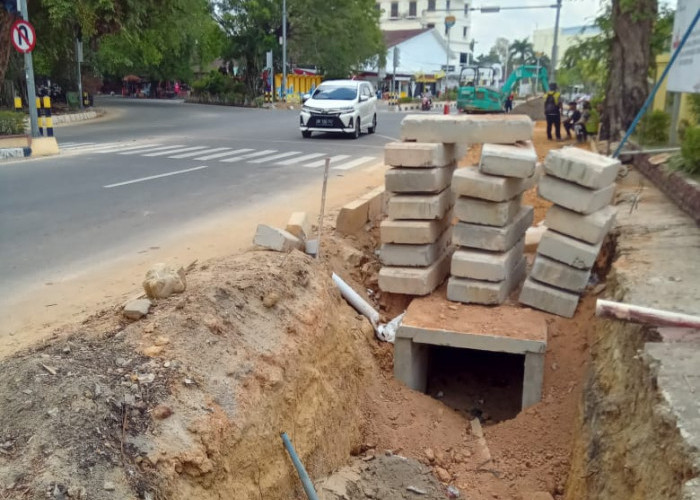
pixel 523 72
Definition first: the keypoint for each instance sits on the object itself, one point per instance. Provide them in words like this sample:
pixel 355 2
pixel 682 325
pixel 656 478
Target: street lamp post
pixel 284 50
pixel 555 49
pixel 29 76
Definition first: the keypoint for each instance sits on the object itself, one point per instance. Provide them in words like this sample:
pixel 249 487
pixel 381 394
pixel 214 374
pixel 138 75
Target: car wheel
pixel 373 128
pixel 356 133
pixel 306 134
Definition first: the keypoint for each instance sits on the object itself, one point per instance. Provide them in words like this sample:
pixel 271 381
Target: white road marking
pixel 147 148
pixel 181 150
pixel 354 163
pixel 221 155
pixel 251 155
pixel 387 137
pixel 189 155
pixel 92 146
pixel 72 145
pixel 275 157
pixel 117 148
pixel 151 177
pixel 299 159
pixel 320 163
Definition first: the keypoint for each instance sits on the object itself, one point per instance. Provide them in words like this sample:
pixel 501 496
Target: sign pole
pixel 29 75
pixel 78 60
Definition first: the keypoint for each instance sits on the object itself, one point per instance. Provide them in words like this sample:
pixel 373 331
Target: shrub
pixel 11 123
pixel 694 100
pixel 217 84
pixel 690 150
pixel 406 100
pixel 653 128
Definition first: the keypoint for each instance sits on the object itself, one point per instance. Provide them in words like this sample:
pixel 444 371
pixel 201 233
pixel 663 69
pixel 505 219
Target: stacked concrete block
pixel 416 238
pixel 581 185
pixel 489 262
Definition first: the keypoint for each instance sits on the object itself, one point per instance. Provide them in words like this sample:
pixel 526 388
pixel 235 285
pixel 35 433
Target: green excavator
pixel 475 95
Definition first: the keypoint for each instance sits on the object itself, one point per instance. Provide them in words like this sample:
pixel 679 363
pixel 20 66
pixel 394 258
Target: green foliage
pixel 406 100
pixel 11 123
pixel 694 101
pixel 216 83
pixel 653 128
pixel 521 51
pixel 690 150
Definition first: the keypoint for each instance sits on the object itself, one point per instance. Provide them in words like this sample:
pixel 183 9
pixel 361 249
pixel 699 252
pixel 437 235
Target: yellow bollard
pixel 48 121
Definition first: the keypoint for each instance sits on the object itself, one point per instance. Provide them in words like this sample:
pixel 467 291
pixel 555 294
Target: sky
pixel 519 24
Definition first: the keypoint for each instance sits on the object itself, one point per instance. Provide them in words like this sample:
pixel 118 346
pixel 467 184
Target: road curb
pixel 36 147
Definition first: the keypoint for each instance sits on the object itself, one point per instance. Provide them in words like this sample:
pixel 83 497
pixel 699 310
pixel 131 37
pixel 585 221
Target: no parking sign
pixel 23 36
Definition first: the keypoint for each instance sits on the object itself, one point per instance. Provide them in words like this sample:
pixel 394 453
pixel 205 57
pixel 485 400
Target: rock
pixel 153 350
pixel 136 309
pixel 271 299
pixel 109 486
pixel 162 341
pixel 163 280
pixel 443 475
pixel 161 412
pixel 430 455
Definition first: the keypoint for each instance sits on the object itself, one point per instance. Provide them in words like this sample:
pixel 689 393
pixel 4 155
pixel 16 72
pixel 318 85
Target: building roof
pixel 392 38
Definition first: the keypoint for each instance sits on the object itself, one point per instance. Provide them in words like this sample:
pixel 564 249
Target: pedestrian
pixel 573 115
pixel 509 103
pixel 583 123
pixel 552 111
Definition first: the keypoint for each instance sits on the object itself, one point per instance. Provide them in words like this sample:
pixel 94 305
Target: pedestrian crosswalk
pixel 225 155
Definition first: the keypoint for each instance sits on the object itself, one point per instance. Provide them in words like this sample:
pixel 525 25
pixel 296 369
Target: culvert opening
pixel 481 384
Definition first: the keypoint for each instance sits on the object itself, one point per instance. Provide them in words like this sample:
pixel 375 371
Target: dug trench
pixel 190 401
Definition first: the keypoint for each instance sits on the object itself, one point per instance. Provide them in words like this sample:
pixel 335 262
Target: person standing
pixel 552 111
pixel 509 103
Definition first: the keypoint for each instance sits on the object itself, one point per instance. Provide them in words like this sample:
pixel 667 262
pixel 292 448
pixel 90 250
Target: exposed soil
pixel 189 402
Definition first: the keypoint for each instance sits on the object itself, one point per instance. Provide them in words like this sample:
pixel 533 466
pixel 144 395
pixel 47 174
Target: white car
pixel 348 106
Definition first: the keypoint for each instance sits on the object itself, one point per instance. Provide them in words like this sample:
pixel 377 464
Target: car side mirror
pixel 364 98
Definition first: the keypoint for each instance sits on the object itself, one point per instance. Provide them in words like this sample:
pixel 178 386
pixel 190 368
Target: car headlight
pixel 306 109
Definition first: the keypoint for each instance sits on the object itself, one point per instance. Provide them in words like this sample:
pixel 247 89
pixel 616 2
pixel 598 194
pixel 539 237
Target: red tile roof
pixel 392 38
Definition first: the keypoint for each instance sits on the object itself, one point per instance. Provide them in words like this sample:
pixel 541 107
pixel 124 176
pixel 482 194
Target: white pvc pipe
pixel 356 301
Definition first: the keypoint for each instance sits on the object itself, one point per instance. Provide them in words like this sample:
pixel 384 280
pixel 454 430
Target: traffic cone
pixel 446 109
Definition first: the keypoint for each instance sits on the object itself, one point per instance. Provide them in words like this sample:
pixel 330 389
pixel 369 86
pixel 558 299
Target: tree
pixel 630 59
pixel 337 36
pixel 521 51
pixel 500 48
pixel 5 24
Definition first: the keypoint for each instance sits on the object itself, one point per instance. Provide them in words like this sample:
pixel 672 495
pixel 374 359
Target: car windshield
pixel 336 93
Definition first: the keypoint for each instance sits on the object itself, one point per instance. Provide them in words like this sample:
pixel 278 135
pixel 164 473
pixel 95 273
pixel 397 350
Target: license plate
pixel 324 122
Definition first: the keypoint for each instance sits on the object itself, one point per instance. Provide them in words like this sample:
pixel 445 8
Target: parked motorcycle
pixel 426 103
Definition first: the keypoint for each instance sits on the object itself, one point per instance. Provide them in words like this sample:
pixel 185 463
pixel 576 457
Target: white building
pixel 543 39
pixel 422 14
pixel 420 56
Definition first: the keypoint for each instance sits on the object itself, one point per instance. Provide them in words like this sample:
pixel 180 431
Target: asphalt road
pixel 150 168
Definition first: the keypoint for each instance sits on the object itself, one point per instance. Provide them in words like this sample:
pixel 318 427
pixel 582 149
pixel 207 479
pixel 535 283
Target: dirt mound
pixel 533 107
pixel 189 402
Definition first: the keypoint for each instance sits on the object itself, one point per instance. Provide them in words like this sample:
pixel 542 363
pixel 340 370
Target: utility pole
pixel 29 75
pixel 555 49
pixel 284 50
pixel 78 60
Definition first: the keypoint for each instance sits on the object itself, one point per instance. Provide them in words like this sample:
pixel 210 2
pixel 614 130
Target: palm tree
pixel 521 51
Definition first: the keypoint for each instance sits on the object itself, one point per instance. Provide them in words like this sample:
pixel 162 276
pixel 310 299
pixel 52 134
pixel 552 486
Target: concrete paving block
pixel 588 169
pixel 573 196
pixel 488 213
pixel 508 160
pixel 547 298
pixel 590 228
pixel 551 272
pixel 299 225
pixel 486 266
pixel 393 254
pixel 418 154
pixel 568 250
pixel 471 291
pixel 377 200
pixel 420 206
pixel 472 183
pixel 418 180
pixel 497 239
pixel 277 239
pixel 412 232
pixel 352 217
pixel 467 129
pixel 415 280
